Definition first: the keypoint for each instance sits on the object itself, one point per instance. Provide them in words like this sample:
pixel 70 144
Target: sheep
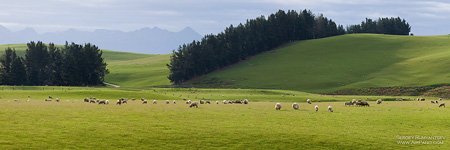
pixel 440 99
pixel 86 100
pixel 119 102
pixel 362 103
pixel 295 106
pixel 48 100
pixel 154 102
pixel 316 108
pixel 133 99
pixel 124 101
pixel 442 105
pixel 437 102
pixel 330 109
pixel 57 99
pixel 102 102
pixel 277 106
pixel 106 101
pixel 308 101
pixel 217 102
pixel 202 101
pixel 245 101
pixel 379 101
pixel 188 102
pixel 194 104
pixel 354 101
pixel 144 101
pixel 174 102
pixel 348 103
pixel 225 102
pixel 207 102
pixel 50 97
pixel 432 102
pixel 167 102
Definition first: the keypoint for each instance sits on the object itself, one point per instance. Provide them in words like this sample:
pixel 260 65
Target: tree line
pixel 261 34
pixel 394 26
pixel 237 43
pixel 69 65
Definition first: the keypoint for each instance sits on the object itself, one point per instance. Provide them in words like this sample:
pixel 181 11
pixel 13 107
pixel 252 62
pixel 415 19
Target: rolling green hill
pixel 130 70
pixel 341 62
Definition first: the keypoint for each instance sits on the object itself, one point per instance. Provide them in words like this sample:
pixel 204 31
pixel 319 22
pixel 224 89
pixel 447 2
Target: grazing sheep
pixel 437 102
pixel 295 106
pixel 330 109
pixel 440 99
pixel 102 102
pixel 155 102
pixel 308 101
pixel 277 106
pixel 57 100
pixel 202 101
pixel 133 99
pixel 144 101
pixel 217 102
pixel 207 102
pixel 86 100
pixel 188 102
pixel 48 100
pixel 225 102
pixel 119 102
pixel 245 101
pixel 106 101
pixel 174 102
pixel 50 97
pixel 432 102
pixel 379 101
pixel 362 103
pixel 354 101
pixel 442 105
pixel 124 101
pixel 167 102
pixel 194 104
pixel 316 108
pixel 348 104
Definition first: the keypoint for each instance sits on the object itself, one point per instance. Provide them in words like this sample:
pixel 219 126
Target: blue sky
pixel 428 17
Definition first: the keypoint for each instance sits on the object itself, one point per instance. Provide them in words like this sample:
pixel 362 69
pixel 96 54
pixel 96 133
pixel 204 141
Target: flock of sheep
pixel 193 104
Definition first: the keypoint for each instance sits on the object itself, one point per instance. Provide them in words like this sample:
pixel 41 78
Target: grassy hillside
pixel 342 62
pixel 127 69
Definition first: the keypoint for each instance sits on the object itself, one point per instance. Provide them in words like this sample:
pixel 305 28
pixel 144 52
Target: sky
pixel 427 17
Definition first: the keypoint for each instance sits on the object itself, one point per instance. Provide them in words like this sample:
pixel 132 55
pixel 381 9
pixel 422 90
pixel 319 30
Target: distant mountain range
pixel 145 40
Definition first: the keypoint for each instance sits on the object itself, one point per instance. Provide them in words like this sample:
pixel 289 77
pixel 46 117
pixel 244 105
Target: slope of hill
pixel 342 62
pixel 126 69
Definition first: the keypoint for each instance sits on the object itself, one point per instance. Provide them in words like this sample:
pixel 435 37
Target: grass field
pixel 77 125
pixel 341 62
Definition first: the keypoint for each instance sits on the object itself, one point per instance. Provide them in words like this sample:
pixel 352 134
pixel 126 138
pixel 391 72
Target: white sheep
pixel 174 102
pixel 295 106
pixel 379 101
pixel 217 102
pixel 308 101
pixel 107 102
pixel 167 102
pixel 277 106
pixel 188 102
pixel 330 109
pixel 225 102
pixel 245 101
pixel 144 101
pixel 316 108
pixel 154 102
